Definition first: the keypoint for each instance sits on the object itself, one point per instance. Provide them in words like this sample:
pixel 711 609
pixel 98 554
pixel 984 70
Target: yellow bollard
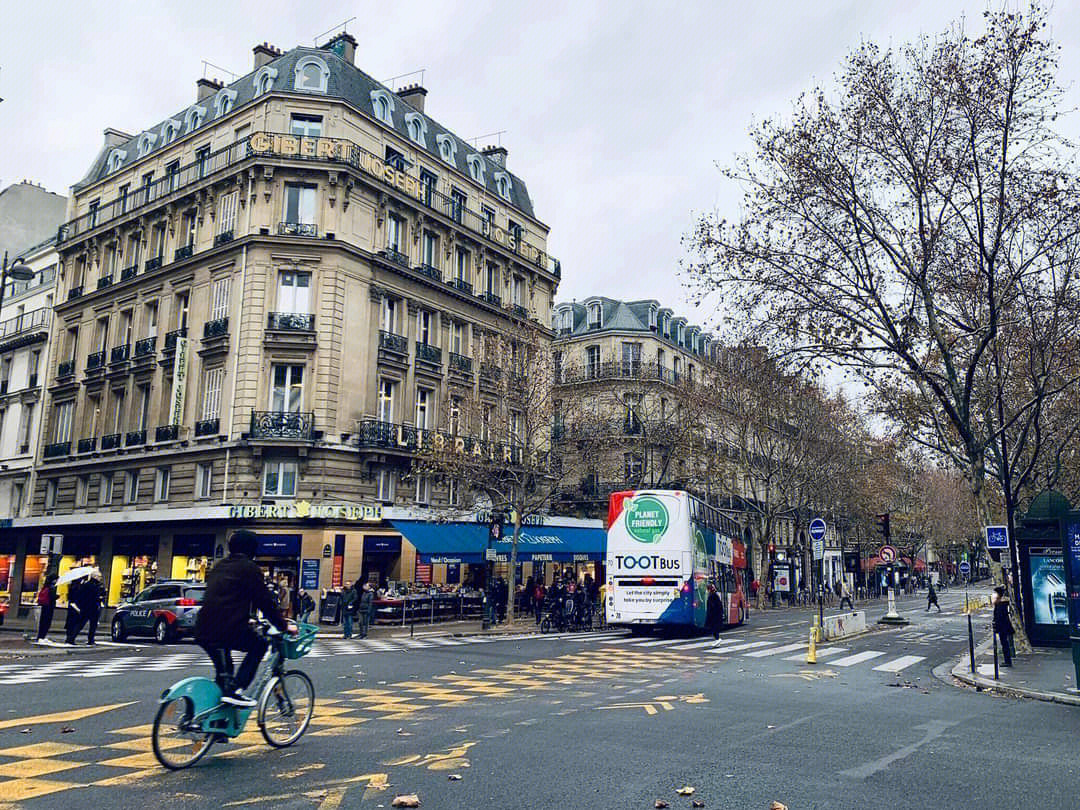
pixel 811 652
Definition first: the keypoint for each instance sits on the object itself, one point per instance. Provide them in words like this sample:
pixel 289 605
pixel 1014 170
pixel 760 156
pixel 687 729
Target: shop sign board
pixel 179 382
pixel 327 552
pixel 330 608
pixel 309 574
pixel 304 510
pixel 1072 552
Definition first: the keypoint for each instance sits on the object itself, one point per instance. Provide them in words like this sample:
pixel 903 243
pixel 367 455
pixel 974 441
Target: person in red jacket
pixel 235 589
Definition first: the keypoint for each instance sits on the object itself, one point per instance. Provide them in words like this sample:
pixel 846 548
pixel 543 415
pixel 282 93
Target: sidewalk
pixel 1046 674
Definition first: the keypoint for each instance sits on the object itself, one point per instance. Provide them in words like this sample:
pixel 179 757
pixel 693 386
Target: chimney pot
pixel 413 95
pixel 344 45
pixel 264 54
pixel 206 88
pixel 496 154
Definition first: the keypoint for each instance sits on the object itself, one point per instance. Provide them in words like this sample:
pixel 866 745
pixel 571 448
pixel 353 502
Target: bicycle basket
pixel 299 645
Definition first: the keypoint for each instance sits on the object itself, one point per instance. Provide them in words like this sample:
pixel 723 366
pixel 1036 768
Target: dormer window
pixel 193 118
pixel 116 158
pixel 476 168
pixel 447 148
pixel 565 321
pixel 652 318
pixel 223 101
pixel 169 130
pixel 596 315
pixel 417 127
pixel 264 79
pixel 503 185
pixel 311 75
pixel 382 103
pixel 146 142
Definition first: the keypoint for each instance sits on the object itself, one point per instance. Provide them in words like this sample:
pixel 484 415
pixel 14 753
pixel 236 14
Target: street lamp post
pixel 17 272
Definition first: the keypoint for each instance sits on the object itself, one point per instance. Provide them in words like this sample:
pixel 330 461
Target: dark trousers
pixel 253 647
pixel 92 619
pixel 933 602
pixel 45 621
pixel 74 624
pixel 1006 640
pixel 848 600
pixel 365 620
pixel 538 606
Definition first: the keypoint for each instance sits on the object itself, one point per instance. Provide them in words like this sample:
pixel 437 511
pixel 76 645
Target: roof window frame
pixel 264 75
pixel 298 74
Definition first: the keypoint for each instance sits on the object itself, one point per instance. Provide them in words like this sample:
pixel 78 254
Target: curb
pixel 961 671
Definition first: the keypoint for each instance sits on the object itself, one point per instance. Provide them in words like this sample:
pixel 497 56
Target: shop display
pixel 33 571
pixel 191 568
pixel 130 575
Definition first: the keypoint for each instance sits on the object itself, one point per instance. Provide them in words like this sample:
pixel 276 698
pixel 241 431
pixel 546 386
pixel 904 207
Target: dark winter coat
pixel 234 590
pixel 1001 617
pixel 714 613
pixel 367 602
pixel 90 597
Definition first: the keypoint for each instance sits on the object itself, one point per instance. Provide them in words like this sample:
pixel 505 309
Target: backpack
pixel 44 597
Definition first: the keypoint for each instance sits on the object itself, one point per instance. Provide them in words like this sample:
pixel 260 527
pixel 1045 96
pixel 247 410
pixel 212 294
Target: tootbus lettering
pixel 646 561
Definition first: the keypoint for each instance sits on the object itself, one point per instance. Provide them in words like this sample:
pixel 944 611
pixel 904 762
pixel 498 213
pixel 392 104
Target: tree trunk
pixel 511 590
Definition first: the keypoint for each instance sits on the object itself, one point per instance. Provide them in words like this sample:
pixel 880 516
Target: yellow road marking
pixel 62 717
pixel 42 749
pixel 37 767
pixel 333 799
pixel 19 789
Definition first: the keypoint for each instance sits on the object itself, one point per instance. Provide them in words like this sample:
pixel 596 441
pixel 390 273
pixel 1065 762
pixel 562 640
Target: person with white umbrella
pixel 84 601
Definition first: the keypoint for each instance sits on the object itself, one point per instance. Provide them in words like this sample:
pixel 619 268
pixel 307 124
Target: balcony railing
pixel 153 264
pixel 430 272
pixel 290 321
pixel 184 252
pixel 490 371
pixel 395 343
pixel 396 256
pixel 87 445
pixel 119 354
pixel 459 362
pixel 129 272
pixel 34 322
pixel 428 353
pixel 57 449
pixel 110 441
pixel 215 328
pixel 170 338
pixel 223 238
pixel 618 370
pixel 65 369
pixel 95 361
pixel 282 425
pixel 297 229
pixel 375 433
pixel 104 281
pixel 519 310
pixel 134 438
pixel 461 284
pixel 207 427
pixel 75 292
pixel 491 298
pixel 167 433
pixel 145 346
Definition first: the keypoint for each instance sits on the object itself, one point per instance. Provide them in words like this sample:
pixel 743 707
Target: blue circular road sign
pixel 817 529
pixel 965 568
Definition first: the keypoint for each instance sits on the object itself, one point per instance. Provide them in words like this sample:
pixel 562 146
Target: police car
pixel 165 610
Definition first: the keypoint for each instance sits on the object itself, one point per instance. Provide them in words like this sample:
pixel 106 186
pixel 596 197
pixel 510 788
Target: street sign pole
pixel 818 530
pixel 889 555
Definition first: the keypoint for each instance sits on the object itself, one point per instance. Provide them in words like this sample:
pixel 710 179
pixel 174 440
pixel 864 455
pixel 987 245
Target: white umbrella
pixel 75 573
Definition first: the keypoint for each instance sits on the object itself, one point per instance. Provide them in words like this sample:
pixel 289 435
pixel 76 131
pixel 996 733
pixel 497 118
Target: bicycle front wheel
pixel 285 708
pixel 177 742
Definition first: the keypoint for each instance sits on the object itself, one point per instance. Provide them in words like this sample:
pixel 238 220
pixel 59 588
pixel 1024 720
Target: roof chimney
pixel 496 154
pixel 414 95
pixel 207 88
pixel 114 137
pixel 265 54
pixel 344 45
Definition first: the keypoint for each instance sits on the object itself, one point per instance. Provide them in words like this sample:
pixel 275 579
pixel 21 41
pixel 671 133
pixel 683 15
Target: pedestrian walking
pixel 713 613
pixel 306 605
pixel 284 598
pixel 75 620
pixel 845 595
pixel 91 599
pixel 538 601
pixel 349 602
pixel 366 608
pixel 1002 625
pixel 931 598
pixel 46 600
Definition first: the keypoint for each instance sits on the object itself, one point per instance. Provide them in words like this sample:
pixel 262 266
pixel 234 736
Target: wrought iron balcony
pixel 87 445
pixel 153 264
pixel 459 362
pixel 75 292
pixel 491 298
pixel 282 425
pixel 170 338
pixel 104 281
pixel 376 433
pixel 215 328
pixel 395 343
pixel 129 272
pixel 461 284
pixel 223 238
pixel 183 252
pixel 134 438
pixel 519 310
pixel 110 441
pixel 95 361
pixel 65 369
pixel 145 346
pixel 57 449
pixel 167 433
pixel 25 328
pixel 490 371
pixel 430 272
pixel 297 229
pixel 119 354
pixel 290 321
pixel 428 353
pixel 207 427
pixel 396 256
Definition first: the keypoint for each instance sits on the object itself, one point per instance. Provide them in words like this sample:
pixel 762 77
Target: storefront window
pixel 192 556
pixel 33 578
pixel 134 567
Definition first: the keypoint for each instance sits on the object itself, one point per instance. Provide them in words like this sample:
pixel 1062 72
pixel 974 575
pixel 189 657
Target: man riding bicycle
pixel 234 590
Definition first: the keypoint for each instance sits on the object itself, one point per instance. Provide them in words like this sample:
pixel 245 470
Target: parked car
pixel 165 610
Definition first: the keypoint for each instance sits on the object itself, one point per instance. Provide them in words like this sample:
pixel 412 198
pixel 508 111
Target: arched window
pixel 146 142
pixel 223 102
pixel 311 75
pixel 503 185
pixel 382 104
pixel 447 148
pixel 169 130
pixel 566 320
pixel 476 167
pixel 264 79
pixel 193 118
pixel 596 315
pixel 417 127
pixel 116 158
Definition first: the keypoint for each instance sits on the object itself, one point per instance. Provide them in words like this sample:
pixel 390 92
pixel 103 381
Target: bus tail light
pixel 686 587
pixel 648 580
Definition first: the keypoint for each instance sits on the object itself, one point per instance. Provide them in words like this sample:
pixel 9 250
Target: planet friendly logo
pixel 646 520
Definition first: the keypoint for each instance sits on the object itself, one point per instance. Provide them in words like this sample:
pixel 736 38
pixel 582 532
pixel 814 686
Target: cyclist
pixel 234 590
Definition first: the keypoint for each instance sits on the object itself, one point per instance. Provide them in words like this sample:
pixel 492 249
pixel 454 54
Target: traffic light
pixel 883 526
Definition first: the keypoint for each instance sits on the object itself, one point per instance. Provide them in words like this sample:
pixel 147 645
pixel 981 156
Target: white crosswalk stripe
pixel 824 652
pixel 694 645
pixel 901 663
pixel 738 647
pixel 775 650
pixel 857 658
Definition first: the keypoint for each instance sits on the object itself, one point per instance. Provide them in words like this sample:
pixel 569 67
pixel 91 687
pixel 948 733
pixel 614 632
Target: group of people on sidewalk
pixel 85 599
pixel 357 605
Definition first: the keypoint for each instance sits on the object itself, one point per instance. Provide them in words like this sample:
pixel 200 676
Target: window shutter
pixel 227 213
pixel 221 299
pixel 213 378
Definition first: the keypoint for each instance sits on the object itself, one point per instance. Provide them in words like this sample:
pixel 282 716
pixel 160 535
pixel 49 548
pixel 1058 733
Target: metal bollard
pixel 811 651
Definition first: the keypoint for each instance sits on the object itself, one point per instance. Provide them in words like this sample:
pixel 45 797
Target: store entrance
pixel 381 560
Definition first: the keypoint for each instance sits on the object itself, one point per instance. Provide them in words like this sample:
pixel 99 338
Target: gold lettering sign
pixel 303 509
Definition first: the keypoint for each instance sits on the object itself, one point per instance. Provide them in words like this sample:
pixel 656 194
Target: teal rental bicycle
pixel 191 717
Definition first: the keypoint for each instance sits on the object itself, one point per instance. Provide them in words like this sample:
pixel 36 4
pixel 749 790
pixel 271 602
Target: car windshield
pixel 194 593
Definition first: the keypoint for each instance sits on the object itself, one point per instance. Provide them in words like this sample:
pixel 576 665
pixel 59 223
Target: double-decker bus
pixel 663 549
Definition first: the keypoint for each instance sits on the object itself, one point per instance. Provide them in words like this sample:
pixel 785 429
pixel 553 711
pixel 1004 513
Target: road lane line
pixel 776 650
pixel 694 645
pixel 857 658
pixel 822 653
pixel 737 647
pixel 900 663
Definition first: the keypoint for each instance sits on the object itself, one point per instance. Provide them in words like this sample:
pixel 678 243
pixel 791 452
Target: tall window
pixel 485 422
pixel 202 160
pixel 395 228
pixel 293 289
pixel 388 318
pixel 517 291
pixel 631 358
pixel 17 490
pixel 123 330
pixel 134 248
pixel 150 316
pixel 286 393
pixel 424 399
pixel 279 478
pixel 50 494
pixel 457 343
pixel 385 485
pixel 62 431
pixel 26 419
pixel 212 381
pixel 172 173
pixel 188 226
pixel 82 485
pixel 431 250
pixel 305 125
pixel 491 279
pixel 428 181
pixel 204 474
pixel 227 212
pixel 157 240
pixel 144 407
pixel 458 201
pixel 386 400
pixel 131 487
pixel 514 425
pixel 299 204
pixel 423 490
pixel 461 267
pixel 220 299
pixel 424 332
pixel 181 309
pixel 595 315
pixel 453 492
pixel 161 484
pixel 119 398
pixel 105 489
pixel 454 415
pixel 592 361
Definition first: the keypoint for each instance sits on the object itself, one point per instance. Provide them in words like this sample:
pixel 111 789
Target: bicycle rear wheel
pixel 285 708
pixel 177 744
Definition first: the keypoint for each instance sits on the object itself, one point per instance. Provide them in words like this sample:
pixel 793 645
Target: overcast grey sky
pixel 615 113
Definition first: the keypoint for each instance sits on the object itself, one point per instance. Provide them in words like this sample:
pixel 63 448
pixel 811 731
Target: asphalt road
pixel 600 720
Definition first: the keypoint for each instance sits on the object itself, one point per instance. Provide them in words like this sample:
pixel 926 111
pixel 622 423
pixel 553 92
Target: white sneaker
pixel 238 698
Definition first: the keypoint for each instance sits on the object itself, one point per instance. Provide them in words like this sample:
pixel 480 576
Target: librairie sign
pixel 305 510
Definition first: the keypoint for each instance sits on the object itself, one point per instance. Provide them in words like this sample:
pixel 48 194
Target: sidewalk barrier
pixel 844 624
pixel 444 607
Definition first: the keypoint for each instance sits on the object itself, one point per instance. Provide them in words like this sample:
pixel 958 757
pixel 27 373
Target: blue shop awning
pixel 466 542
